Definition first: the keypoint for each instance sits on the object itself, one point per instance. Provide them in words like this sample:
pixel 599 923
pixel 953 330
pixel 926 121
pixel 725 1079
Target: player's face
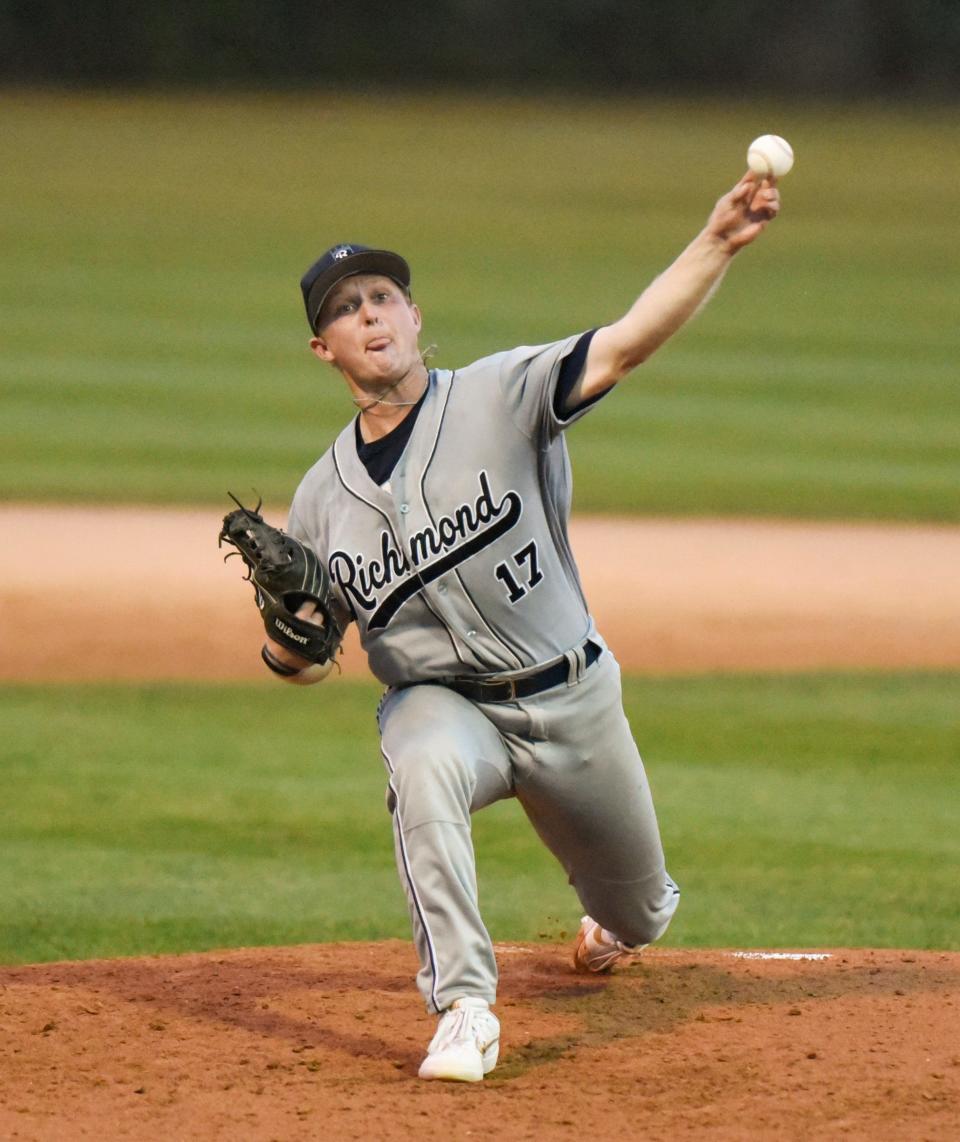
pixel 369 329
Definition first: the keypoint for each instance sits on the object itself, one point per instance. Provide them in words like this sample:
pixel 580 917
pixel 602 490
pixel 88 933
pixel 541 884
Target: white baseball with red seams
pixel 770 155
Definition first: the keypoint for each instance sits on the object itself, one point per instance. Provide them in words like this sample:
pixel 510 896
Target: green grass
pixel 154 348
pixel 797 811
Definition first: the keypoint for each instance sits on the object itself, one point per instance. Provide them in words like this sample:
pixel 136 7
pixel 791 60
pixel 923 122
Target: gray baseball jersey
pixel 459 566
pixel 462 565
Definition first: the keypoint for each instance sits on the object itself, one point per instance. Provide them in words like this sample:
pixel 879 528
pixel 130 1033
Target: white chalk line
pixel 781 955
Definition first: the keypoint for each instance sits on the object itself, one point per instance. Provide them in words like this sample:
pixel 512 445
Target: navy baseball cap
pixel 341 262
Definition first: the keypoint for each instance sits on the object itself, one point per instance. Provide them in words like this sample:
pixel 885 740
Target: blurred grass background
pixel 797 811
pixel 154 347
pixel 154 350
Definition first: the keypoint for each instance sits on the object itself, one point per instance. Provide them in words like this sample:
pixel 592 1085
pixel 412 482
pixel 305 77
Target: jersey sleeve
pixel 306 519
pixel 571 370
pixel 295 526
pixel 305 522
pixel 536 382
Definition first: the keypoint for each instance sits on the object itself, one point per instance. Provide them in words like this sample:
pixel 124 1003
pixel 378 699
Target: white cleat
pixel 466 1045
pixel 597 950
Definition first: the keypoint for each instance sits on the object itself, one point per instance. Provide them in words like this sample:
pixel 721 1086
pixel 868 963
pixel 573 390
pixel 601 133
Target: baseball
pixel 770 155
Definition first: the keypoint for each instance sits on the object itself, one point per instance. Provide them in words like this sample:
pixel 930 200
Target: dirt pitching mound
pixel 314 1042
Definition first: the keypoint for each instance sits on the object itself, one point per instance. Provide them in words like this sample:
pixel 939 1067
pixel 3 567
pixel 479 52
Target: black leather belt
pixel 509 689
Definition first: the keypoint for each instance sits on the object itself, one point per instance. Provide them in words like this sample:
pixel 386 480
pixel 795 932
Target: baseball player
pixel 440 513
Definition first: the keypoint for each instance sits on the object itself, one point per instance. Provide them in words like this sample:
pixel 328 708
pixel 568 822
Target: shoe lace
pixel 458 1024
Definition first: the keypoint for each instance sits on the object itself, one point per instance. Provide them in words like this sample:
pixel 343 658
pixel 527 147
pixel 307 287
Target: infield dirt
pixel 324 1042
pixel 143 593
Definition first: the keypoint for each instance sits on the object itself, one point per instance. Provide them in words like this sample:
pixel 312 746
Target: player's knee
pixel 653 917
pixel 648 927
pixel 638 917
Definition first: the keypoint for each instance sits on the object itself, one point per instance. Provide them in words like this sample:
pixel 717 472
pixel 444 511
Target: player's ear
pixel 320 349
pixel 417 315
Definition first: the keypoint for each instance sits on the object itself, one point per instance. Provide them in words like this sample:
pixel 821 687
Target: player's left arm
pixel 293 667
pixel 681 290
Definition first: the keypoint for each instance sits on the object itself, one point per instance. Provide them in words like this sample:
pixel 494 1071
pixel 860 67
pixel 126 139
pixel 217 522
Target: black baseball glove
pixel 285 574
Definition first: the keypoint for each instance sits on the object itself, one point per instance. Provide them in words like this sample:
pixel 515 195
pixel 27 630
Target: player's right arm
pixel 681 290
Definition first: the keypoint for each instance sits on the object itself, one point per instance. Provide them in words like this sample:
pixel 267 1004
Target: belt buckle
pixel 496 690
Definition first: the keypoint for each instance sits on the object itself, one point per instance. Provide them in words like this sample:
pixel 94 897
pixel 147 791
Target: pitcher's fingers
pixel 745 188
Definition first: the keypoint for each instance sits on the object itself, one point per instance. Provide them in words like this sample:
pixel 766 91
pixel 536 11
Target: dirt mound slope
pixel 324 1041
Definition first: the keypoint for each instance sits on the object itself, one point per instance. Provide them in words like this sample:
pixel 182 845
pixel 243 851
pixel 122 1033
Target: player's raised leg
pixel 586 793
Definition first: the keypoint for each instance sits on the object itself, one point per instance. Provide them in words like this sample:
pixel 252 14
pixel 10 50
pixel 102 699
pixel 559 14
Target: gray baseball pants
pixel 569 757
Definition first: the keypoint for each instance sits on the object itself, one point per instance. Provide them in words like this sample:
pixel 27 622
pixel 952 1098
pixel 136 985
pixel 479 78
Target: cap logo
pixel 342 252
